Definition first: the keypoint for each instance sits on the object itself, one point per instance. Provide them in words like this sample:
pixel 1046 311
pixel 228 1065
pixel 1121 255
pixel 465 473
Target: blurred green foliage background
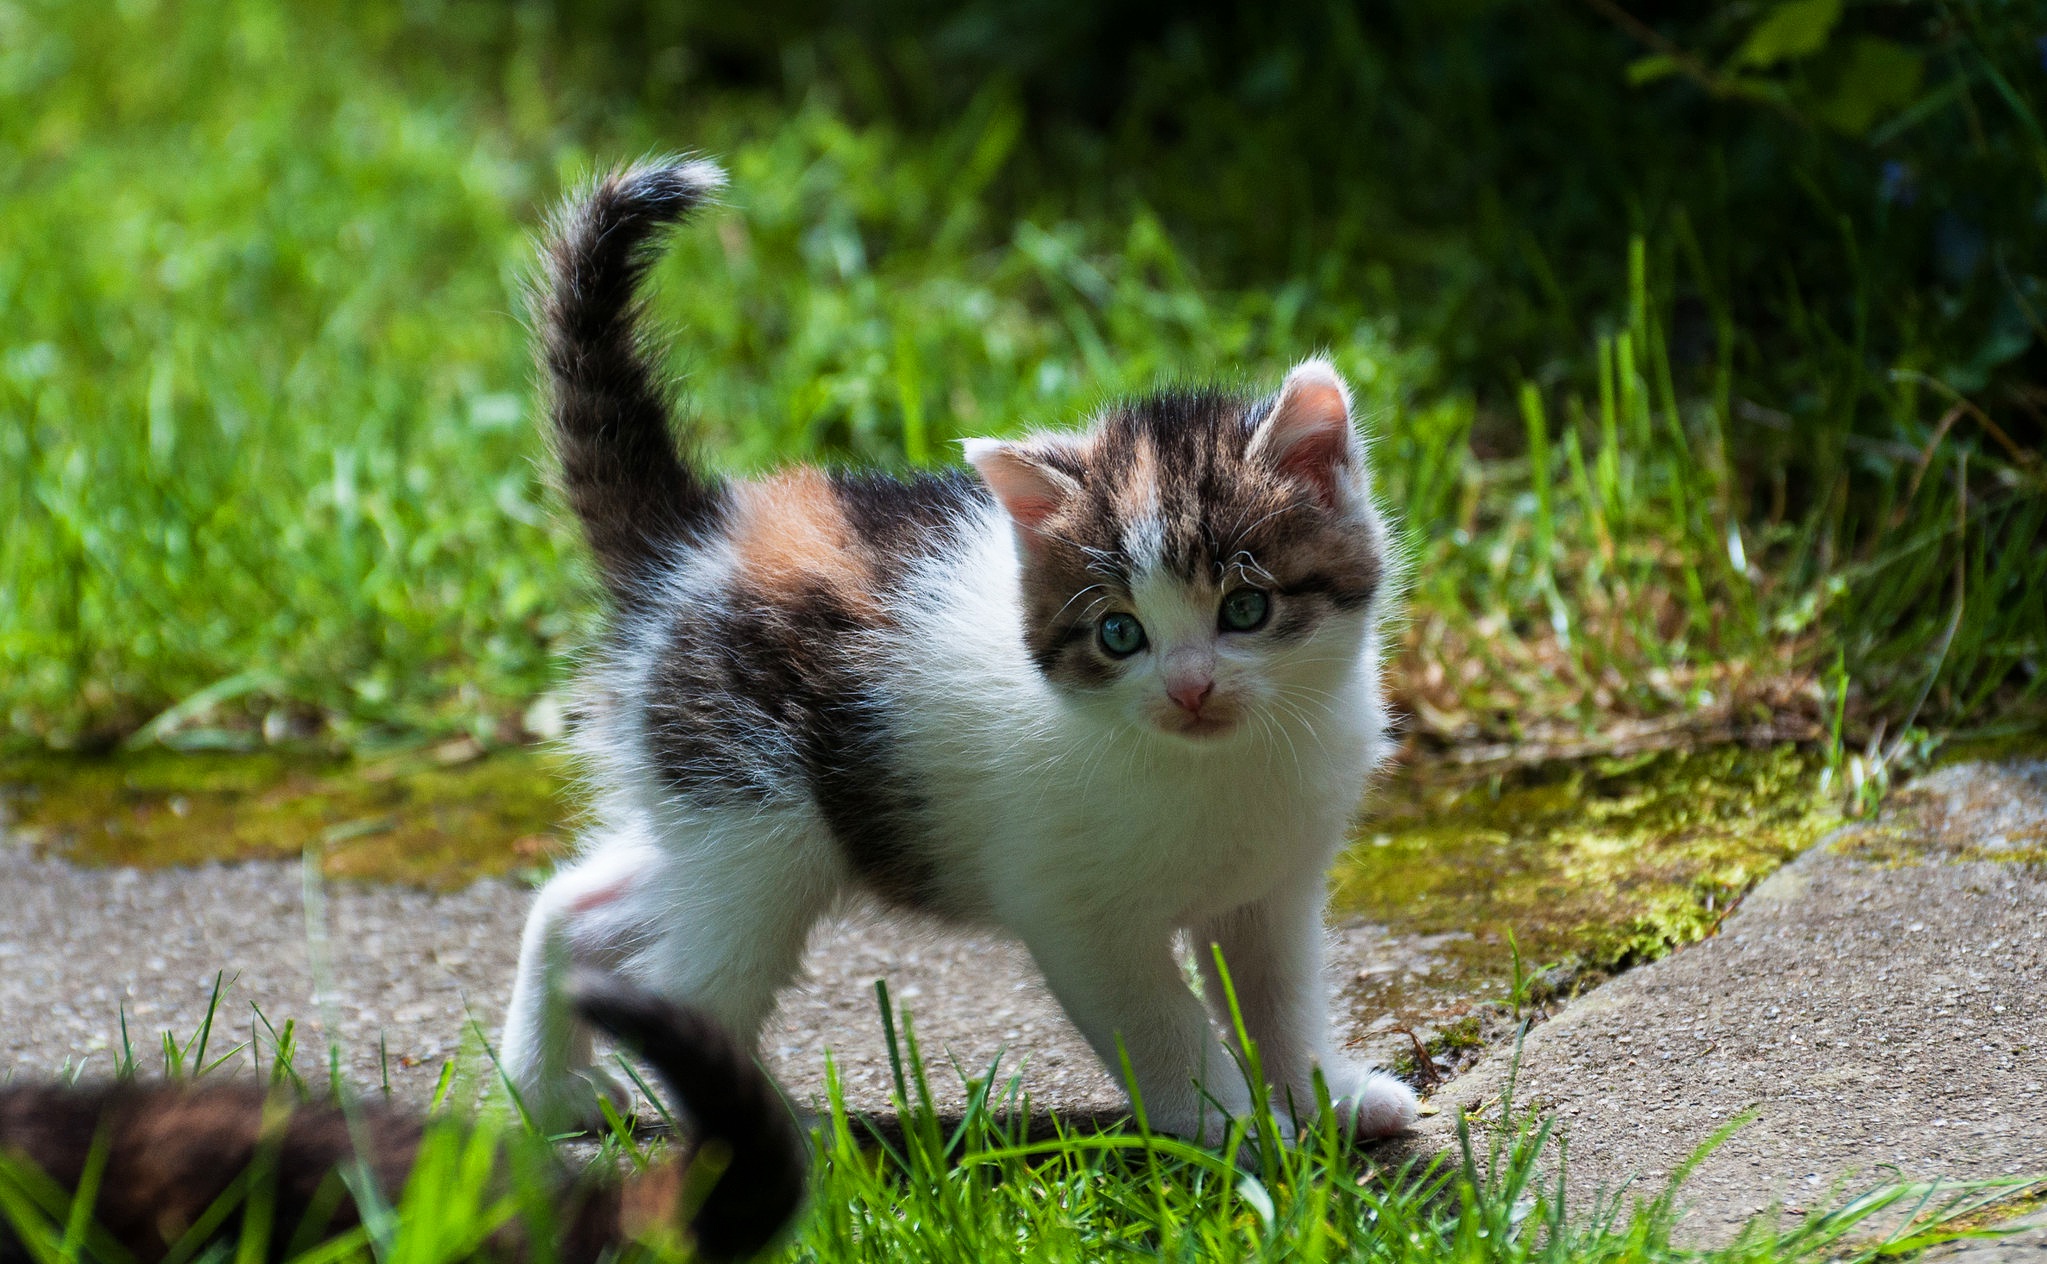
pixel 1704 342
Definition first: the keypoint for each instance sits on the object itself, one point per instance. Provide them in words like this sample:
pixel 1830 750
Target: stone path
pixel 1881 1003
pixel 412 975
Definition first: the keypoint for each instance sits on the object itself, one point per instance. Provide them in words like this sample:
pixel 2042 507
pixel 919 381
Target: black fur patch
pixel 762 693
pixel 905 521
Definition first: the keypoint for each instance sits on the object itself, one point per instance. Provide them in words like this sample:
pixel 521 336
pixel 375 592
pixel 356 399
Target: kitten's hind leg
pixel 728 913
pixel 545 1052
pixel 714 915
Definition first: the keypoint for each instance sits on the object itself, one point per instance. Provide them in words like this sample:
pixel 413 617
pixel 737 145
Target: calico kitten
pixel 1112 685
pixel 172 1151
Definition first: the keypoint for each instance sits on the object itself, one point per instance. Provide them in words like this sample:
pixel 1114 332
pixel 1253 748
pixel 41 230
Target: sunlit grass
pixel 268 453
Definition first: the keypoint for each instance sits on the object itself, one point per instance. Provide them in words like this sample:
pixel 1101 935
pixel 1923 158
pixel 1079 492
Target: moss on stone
pixel 1591 866
pixel 2020 739
pixel 1937 820
pixel 436 819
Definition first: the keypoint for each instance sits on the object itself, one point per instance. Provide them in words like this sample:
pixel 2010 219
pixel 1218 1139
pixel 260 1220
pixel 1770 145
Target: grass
pixel 270 469
pixel 983 1188
pixel 273 471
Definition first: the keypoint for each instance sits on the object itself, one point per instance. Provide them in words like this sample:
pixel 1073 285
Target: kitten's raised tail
pixel 730 1103
pixel 635 493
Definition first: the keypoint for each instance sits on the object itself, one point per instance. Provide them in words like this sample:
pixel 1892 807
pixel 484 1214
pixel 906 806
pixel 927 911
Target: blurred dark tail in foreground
pixel 165 1158
pixel 733 1109
pixel 635 493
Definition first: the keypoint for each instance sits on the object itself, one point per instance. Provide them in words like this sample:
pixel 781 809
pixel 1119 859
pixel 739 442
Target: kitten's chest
pixel 1132 836
pixel 1181 851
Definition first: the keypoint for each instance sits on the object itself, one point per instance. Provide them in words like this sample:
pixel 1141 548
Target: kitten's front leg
pixel 1273 949
pixel 1118 984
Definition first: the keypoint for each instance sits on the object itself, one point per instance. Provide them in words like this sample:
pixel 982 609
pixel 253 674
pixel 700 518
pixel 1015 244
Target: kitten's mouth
pixel 1208 724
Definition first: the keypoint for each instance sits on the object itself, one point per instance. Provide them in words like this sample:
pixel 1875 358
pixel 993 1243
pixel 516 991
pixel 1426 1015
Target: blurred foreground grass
pixel 1000 1181
pixel 270 466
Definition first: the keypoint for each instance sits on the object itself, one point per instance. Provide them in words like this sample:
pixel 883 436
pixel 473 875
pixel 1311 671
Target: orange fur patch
pixel 600 896
pixel 650 1205
pixel 791 535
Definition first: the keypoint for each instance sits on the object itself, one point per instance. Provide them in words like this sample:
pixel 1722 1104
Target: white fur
pixel 1081 825
pixel 1093 835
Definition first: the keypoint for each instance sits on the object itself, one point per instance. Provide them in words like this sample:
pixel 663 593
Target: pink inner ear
pixel 1029 509
pixel 1027 491
pixel 1308 436
pixel 1313 459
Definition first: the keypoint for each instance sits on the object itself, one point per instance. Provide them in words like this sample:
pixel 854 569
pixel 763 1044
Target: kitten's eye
pixel 1121 635
pixel 1245 609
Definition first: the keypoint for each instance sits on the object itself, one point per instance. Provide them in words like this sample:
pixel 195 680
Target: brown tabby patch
pixel 1172 472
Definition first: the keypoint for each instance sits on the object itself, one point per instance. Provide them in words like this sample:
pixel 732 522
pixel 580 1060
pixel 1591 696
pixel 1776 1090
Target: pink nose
pixel 1190 693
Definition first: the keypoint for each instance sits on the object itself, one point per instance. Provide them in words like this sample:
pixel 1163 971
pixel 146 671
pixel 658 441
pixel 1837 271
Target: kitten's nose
pixel 1190 692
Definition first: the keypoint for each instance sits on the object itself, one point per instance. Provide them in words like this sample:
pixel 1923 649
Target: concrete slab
pixel 408 971
pixel 1880 1003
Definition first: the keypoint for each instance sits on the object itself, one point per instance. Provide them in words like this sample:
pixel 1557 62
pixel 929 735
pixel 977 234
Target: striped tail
pixel 636 494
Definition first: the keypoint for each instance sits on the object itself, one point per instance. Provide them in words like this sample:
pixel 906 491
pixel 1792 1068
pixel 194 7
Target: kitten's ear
pixel 1308 434
pixel 1029 490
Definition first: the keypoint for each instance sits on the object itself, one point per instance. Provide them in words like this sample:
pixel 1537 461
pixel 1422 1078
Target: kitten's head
pixel 1196 561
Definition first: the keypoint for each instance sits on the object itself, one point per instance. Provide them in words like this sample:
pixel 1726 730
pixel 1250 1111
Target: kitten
pixel 171 1151
pixel 1112 685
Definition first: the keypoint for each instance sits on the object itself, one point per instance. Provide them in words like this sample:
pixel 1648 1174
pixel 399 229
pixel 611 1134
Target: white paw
pixel 1378 1107
pixel 1209 1126
pixel 1372 1103
pixel 572 1101
pixel 1204 1118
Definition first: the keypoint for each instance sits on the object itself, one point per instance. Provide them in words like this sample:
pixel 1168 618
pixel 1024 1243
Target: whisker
pixel 1075 597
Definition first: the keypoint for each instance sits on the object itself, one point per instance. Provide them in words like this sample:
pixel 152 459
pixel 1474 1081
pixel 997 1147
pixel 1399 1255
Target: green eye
pixel 1121 635
pixel 1245 609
